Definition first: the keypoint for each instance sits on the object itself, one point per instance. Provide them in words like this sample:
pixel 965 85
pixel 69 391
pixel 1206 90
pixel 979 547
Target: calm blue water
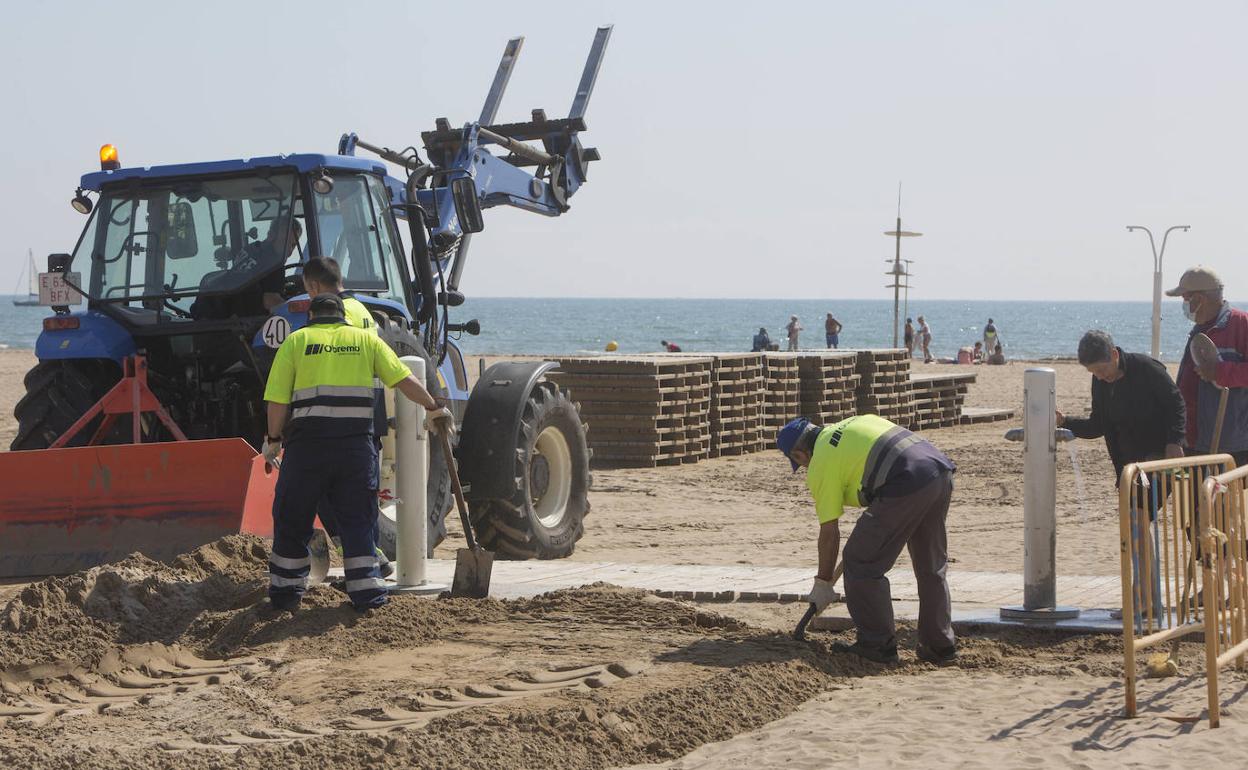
pixel 568 326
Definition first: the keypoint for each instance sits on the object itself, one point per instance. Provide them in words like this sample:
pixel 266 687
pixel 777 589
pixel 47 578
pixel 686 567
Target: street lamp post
pixel 898 272
pixel 1157 257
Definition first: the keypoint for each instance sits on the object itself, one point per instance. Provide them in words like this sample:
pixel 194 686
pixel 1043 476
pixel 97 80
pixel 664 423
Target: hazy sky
pixel 749 150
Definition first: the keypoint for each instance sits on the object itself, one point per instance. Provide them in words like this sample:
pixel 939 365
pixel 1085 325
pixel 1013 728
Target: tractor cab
pixel 214 241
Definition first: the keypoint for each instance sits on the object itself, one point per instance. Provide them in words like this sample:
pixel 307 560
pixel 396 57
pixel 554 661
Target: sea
pixel 1031 330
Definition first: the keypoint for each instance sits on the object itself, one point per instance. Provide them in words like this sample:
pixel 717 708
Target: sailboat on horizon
pixel 32 290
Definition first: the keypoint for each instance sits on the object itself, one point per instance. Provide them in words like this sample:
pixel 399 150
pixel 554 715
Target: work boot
pixel 937 656
pixel 384 565
pixel 885 655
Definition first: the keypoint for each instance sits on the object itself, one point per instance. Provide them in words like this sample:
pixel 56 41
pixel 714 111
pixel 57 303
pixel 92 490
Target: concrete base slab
pixel 969 618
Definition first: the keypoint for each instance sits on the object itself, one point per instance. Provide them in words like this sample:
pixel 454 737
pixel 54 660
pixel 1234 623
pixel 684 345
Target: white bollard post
pixel 411 477
pixel 1039 436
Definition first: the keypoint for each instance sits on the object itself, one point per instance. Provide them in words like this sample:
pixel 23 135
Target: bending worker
pixel 322 379
pixel 905 484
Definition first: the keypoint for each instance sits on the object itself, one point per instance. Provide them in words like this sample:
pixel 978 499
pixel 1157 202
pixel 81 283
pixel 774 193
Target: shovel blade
pixel 472 573
pixel 318 551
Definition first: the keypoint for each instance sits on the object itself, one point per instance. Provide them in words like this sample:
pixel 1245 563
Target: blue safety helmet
pixel 787 438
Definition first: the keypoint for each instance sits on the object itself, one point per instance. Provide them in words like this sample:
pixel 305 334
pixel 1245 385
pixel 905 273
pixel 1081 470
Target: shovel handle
pixel 799 633
pixel 459 490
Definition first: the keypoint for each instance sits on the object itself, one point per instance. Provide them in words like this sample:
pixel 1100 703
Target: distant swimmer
pixel 670 347
pixel 793 328
pixel 762 340
pixel 832 331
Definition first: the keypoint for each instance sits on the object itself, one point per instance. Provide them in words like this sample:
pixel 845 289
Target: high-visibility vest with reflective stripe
pixel 357 314
pixel 851 460
pixel 325 372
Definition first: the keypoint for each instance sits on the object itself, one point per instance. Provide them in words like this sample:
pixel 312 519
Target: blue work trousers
pixel 344 473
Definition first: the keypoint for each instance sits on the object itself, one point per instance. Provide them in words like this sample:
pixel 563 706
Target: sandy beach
pixel 177 666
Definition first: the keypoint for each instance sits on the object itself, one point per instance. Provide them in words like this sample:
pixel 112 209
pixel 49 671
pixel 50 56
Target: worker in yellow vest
pixel 320 410
pixel 905 484
pixel 323 275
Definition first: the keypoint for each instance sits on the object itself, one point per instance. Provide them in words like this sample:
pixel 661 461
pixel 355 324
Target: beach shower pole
pixel 1157 257
pixel 1039 435
pixel 412 473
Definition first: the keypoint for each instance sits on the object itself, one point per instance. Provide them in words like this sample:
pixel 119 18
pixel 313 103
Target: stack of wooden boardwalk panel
pixel 641 411
pixel 828 384
pixel 938 399
pixel 975 415
pixel 736 403
pixel 782 392
pixel 885 385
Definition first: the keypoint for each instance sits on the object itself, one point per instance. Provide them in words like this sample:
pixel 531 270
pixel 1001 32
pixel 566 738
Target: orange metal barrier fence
pixel 1224 562
pixel 1159 529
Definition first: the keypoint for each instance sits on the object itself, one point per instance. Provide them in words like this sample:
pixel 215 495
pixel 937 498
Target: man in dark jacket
pixel 1140 412
pixel 1135 404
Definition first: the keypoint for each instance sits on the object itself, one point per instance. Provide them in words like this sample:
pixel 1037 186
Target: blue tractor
pixel 196 268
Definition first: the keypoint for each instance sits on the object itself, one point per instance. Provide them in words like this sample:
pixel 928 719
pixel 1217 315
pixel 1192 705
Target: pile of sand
pixel 81 616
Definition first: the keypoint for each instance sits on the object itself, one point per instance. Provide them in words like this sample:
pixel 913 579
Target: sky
pixel 749 150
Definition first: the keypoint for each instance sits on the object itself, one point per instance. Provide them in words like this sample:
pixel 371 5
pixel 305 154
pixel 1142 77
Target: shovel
pixel 473 564
pixel 799 633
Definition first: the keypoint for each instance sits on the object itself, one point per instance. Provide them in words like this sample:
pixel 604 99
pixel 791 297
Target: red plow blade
pixel 63 510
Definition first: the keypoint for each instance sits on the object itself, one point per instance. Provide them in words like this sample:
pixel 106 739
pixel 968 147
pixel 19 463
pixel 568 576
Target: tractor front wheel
pixel 544 518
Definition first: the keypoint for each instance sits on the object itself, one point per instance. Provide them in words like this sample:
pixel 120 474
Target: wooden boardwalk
pixel 516 579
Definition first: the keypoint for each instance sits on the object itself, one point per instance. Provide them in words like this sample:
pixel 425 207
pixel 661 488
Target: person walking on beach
pixel 925 339
pixel 1210 314
pixel 908 339
pixel 905 484
pixel 762 341
pixel 793 329
pixel 991 337
pixel 832 331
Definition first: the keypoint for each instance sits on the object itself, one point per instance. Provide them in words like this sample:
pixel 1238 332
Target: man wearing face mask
pixel 1204 306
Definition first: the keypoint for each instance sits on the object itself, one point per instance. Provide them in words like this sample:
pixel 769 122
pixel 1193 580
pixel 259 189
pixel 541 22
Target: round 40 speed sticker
pixel 275 331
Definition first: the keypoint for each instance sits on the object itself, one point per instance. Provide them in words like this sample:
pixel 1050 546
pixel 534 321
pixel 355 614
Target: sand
pixel 142 664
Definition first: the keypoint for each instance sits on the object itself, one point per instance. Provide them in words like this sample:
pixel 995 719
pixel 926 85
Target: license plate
pixel 55 291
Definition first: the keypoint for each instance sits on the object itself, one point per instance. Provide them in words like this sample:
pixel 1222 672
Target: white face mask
pixel 1187 310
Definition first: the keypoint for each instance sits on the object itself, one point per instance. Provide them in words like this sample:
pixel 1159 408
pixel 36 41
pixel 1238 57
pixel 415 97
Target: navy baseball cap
pixel 787 438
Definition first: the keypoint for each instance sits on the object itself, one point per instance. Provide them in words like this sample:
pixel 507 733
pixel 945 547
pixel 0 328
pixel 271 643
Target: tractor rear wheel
pixel 544 518
pixel 57 394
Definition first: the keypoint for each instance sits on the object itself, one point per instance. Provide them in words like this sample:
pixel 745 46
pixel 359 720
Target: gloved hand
pixel 270 450
pixel 822 594
pixel 438 420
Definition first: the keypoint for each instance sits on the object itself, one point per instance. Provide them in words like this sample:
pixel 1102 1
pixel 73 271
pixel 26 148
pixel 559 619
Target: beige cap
pixel 1199 278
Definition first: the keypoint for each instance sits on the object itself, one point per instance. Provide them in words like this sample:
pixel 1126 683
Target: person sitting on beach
pixel 977 355
pixel 670 347
pixel 762 341
pixel 998 356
